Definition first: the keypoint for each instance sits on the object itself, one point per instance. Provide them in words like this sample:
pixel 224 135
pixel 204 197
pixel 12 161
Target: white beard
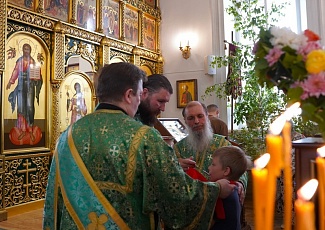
pixel 199 140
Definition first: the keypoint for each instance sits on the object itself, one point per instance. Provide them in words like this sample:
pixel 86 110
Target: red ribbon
pixel 219 210
pixel 192 172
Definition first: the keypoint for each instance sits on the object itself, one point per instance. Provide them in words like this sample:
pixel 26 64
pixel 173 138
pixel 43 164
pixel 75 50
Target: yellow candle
pixel 259 176
pixel 286 133
pixel 320 162
pixel 274 145
pixel 277 148
pixel 274 140
pixel 270 200
pixel 274 148
pixel 305 216
pixel 305 213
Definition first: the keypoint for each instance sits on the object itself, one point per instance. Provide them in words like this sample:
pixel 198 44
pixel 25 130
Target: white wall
pixel 185 17
pixel 316 17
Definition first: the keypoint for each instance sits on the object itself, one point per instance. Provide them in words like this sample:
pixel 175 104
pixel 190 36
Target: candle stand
pixel 305 156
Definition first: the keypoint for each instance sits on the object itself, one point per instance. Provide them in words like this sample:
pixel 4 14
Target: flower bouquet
pixel 295 63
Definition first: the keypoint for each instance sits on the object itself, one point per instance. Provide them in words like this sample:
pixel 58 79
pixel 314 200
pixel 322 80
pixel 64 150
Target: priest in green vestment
pixel 195 150
pixel 112 172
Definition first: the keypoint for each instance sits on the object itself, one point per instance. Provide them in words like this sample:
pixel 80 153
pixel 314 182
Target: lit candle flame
pixel 277 125
pixel 321 151
pixel 262 161
pixel 292 111
pixel 307 191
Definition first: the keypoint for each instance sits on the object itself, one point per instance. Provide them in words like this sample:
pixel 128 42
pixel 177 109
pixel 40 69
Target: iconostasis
pixel 52 50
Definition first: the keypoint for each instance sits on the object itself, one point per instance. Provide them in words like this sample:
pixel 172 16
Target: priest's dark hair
pixel 156 82
pixel 115 79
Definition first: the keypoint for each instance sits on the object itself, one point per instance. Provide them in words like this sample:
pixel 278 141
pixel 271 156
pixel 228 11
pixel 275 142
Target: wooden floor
pixel 28 221
pixel 249 215
pixel 33 220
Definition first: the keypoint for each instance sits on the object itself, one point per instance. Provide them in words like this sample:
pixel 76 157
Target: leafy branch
pixel 257 105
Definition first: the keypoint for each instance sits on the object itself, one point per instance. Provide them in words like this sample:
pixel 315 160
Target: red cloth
pixel 192 172
pixel 219 210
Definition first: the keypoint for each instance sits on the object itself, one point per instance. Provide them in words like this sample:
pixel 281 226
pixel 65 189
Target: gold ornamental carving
pixel 56 114
pixel 30 18
pixel 160 64
pixel 104 51
pixel 141 27
pixel 114 53
pixel 25 178
pixel 3 33
pixel 44 35
pixel 73 13
pixel 59 56
pixel 135 57
pixel 58 27
pixel 40 7
pixel 158 21
pixel 133 2
pixel 148 54
pixel 100 19
pixel 151 64
pixel 149 10
pixel 86 50
pixel 2 181
pixel 122 12
pixel 82 34
pixel 121 46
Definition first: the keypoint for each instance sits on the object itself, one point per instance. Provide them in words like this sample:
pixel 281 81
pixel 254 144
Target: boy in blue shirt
pixel 228 162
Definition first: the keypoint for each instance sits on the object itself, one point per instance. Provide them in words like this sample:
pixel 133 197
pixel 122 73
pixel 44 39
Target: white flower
pixel 285 37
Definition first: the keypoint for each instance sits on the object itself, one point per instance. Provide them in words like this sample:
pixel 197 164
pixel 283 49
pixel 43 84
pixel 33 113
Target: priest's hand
pixel 241 192
pixel 225 188
pixel 186 163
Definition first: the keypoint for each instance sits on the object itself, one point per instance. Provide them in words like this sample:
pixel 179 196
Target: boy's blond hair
pixel 234 158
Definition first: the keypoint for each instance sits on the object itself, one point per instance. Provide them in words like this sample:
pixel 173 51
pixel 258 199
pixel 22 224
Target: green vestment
pixel 203 159
pixel 111 172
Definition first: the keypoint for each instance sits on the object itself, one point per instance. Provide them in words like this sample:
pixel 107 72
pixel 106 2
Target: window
pixel 295 17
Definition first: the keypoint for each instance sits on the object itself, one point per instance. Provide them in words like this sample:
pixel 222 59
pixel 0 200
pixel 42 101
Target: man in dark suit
pixel 218 126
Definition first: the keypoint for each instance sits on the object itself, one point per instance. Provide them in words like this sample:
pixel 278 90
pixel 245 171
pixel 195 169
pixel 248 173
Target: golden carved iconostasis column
pixel 3 212
pixel 57 76
pixel 104 51
pixel 3 22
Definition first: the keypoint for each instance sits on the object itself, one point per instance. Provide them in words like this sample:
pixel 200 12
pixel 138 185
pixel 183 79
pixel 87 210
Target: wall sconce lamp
pixel 186 51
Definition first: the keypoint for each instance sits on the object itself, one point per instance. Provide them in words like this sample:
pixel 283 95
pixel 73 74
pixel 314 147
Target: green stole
pixel 68 169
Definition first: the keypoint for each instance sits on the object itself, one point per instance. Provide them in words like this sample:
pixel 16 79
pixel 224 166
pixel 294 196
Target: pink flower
pixel 314 85
pixel 273 55
pixel 310 46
